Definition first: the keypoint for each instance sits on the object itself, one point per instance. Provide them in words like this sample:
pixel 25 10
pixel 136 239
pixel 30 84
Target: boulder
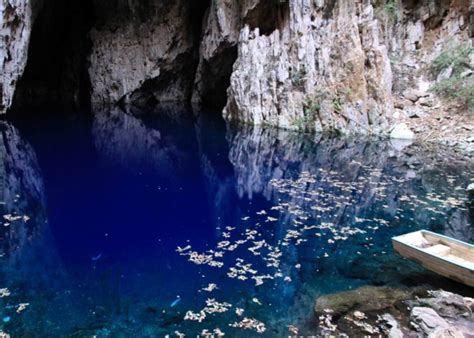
pixel 470 188
pixel 427 320
pixel 365 299
pixel 414 112
pixel 447 304
pixel 412 95
pixel 402 132
pixel 393 326
pixel 445 74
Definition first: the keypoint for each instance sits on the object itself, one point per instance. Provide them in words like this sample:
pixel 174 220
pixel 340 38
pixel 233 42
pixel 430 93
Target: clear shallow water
pixel 129 218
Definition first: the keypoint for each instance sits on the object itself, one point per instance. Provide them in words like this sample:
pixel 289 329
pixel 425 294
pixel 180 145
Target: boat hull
pixel 435 263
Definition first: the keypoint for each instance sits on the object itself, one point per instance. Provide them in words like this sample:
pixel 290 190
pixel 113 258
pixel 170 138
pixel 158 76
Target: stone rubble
pixel 397 313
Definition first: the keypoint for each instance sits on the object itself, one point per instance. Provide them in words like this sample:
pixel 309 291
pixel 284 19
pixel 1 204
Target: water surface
pixel 142 225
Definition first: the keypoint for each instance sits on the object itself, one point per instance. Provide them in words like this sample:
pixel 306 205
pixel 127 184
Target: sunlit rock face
pixel 325 68
pixel 16 22
pixel 338 66
pixel 219 43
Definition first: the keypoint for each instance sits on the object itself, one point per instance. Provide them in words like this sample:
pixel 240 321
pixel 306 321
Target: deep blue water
pixel 109 198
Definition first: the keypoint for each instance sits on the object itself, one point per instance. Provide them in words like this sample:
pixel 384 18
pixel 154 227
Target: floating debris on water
pixel 4 292
pixel 250 324
pixel 210 287
pixel 22 307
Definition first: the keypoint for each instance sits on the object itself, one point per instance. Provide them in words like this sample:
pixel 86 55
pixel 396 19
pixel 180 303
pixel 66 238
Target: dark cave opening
pixel 268 16
pixel 216 75
pixel 55 77
pixel 174 84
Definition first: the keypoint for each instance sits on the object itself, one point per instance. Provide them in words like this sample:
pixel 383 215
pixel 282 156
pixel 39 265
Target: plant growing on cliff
pixel 391 9
pixel 298 76
pixel 456 55
pixel 337 104
pixel 458 83
pixel 311 110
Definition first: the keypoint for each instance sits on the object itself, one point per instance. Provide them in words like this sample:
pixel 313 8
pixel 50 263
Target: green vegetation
pixel 311 108
pixel 391 9
pixel 457 87
pixel 456 55
pixel 298 77
pixel 337 104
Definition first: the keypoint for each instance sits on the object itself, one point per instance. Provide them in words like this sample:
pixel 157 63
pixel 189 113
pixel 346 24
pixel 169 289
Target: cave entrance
pixel 176 81
pixel 216 74
pixel 55 77
pixel 268 16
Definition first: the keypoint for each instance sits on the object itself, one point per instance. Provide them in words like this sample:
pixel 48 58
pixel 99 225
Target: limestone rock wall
pixel 218 50
pixel 325 69
pixel 219 43
pixel 346 66
pixel 143 50
pixel 16 22
pixel 341 65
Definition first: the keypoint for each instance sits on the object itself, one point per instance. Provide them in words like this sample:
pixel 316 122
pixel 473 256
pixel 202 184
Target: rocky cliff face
pixel 326 68
pixel 341 66
pixel 144 50
pixel 16 22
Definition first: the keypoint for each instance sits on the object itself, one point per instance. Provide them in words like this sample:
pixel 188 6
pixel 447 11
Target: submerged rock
pixel 365 299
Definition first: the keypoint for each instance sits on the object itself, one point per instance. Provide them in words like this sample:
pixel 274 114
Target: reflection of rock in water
pixel 25 241
pixel 383 174
pixel 259 155
pixel 133 143
pixel 218 173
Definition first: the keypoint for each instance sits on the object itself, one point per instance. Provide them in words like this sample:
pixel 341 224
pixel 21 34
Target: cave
pixel 56 76
pixel 216 74
pixel 175 82
pixel 268 16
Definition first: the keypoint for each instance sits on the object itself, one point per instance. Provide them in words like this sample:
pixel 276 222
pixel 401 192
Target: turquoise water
pixel 162 223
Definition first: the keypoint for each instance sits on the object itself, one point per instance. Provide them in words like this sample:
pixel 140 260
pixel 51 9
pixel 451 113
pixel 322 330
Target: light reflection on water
pixel 108 202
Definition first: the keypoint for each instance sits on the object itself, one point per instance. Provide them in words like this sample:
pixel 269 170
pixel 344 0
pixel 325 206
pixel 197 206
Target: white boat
pixel 444 255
